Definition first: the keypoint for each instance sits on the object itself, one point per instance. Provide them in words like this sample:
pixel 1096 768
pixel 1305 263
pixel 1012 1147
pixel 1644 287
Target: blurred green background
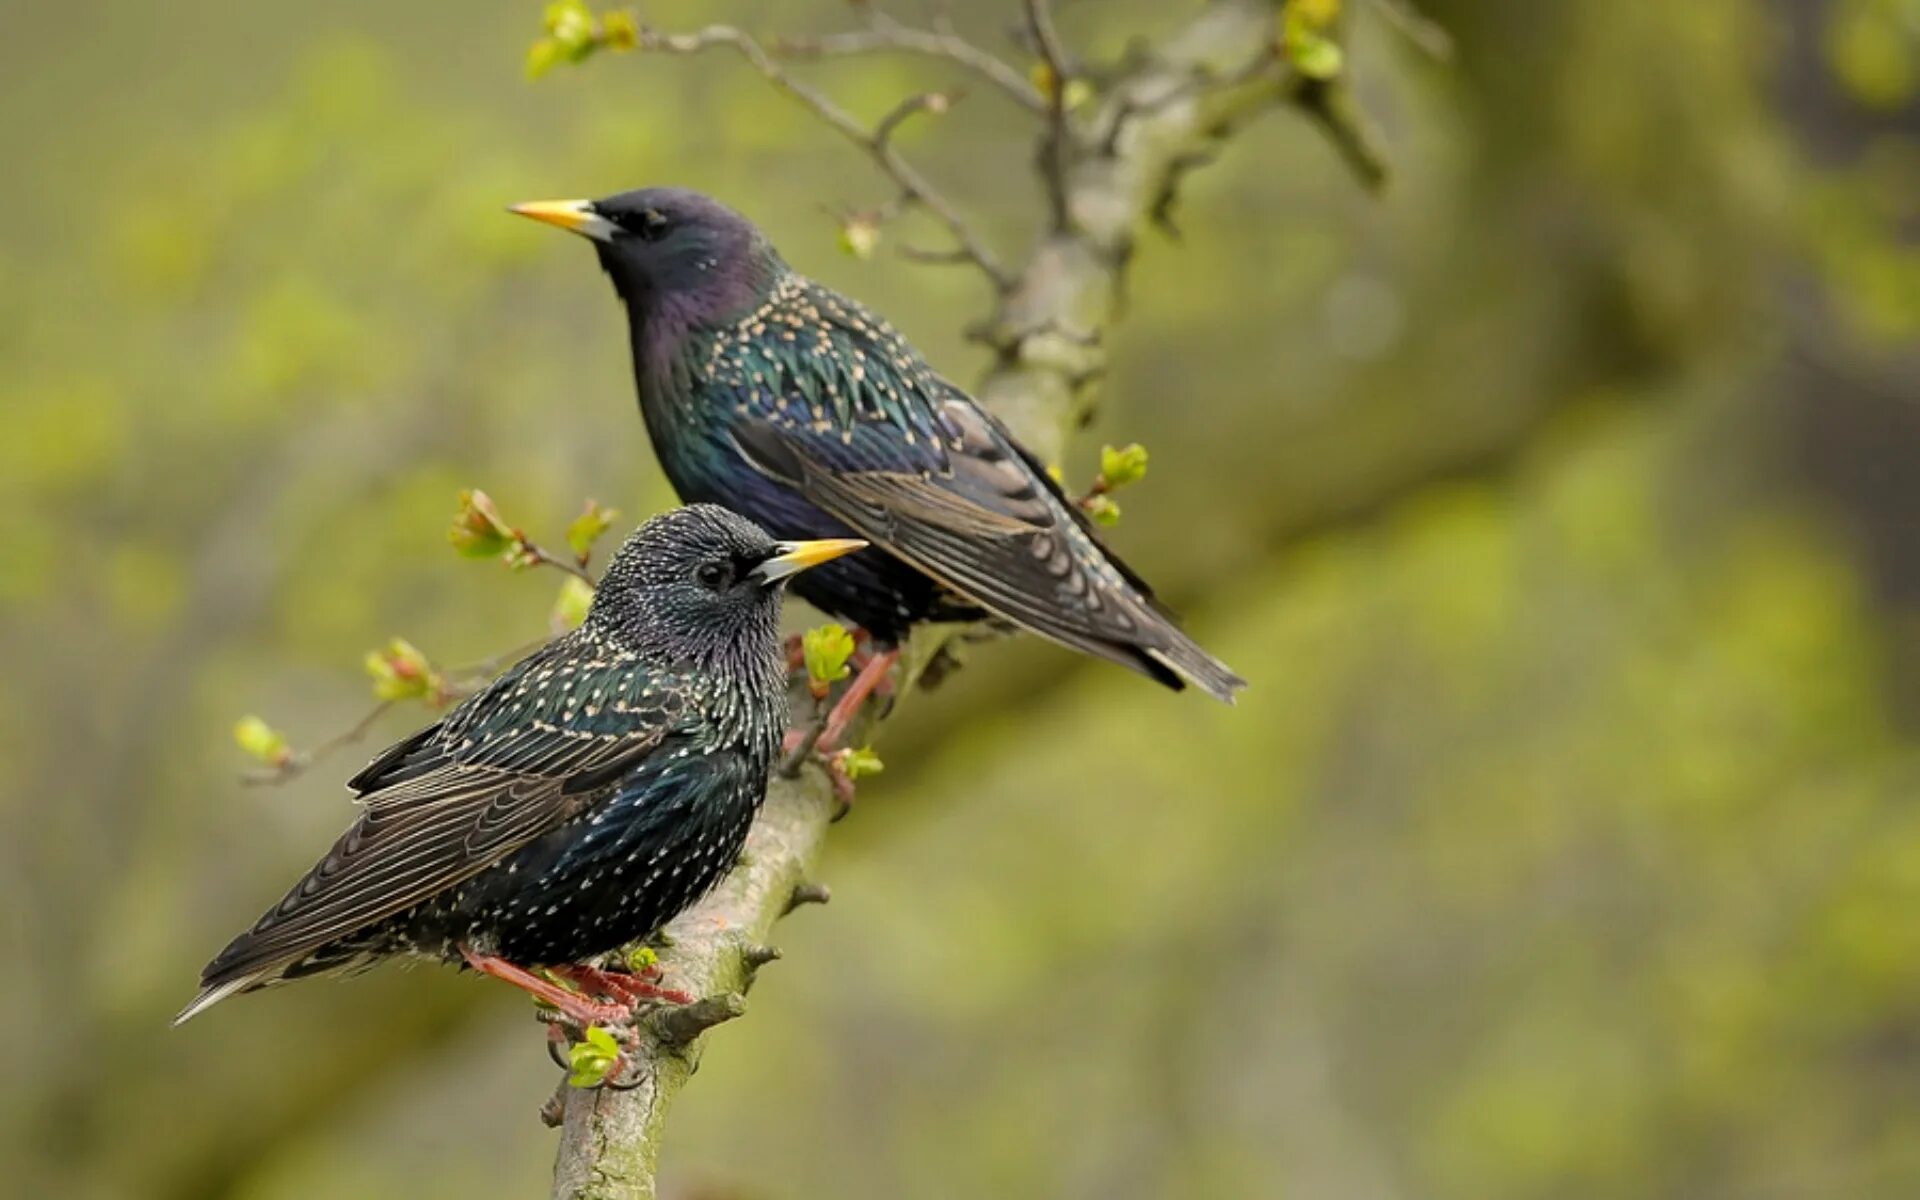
pixel 1559 503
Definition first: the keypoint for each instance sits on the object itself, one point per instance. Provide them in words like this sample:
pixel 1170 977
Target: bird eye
pixel 713 575
pixel 652 225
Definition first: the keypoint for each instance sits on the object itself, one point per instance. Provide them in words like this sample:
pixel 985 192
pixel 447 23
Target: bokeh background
pixel 1560 504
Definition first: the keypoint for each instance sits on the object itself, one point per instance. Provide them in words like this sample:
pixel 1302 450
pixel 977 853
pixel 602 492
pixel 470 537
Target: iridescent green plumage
pixel 783 400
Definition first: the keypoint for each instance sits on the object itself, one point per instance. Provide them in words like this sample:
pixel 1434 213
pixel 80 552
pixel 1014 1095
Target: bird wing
pixel 847 413
pixel 982 522
pixel 535 749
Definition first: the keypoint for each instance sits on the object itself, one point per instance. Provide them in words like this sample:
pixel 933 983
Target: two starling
pixel 787 402
pixel 585 797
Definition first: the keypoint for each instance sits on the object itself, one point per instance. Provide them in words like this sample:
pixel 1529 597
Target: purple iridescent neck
pixel 671 306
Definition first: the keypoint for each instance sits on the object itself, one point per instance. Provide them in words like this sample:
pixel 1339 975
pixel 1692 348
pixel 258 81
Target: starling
pixel 578 802
pixel 790 403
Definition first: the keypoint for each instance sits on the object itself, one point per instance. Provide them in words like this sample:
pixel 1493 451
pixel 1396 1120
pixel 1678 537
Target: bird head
pixel 671 249
pixel 702 582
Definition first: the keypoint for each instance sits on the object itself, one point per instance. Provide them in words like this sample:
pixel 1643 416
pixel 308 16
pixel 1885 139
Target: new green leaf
pixel 592 1058
pixel 1306 38
pixel 262 741
pixel 588 528
pixel 857 763
pixel 478 530
pixel 1123 466
pixel 860 235
pixel 401 672
pixel 542 56
pixel 574 33
pixel 1314 56
pixel 825 649
pixel 571 605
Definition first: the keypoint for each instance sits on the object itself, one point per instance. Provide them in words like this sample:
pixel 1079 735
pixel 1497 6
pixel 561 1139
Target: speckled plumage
pixel 783 400
pixel 577 803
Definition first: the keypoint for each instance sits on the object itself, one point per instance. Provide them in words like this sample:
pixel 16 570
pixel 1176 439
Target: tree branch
pixel 1158 116
pixel 885 34
pixel 1055 148
pixel 1415 26
pixel 610 1139
pixel 912 184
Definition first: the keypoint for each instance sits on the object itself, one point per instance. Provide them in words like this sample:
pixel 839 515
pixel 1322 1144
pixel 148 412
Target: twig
pixel 804 894
pixel 803 750
pixel 910 181
pixel 1417 28
pixel 680 1024
pixel 936 103
pixel 297 764
pixel 935 258
pixel 535 554
pixel 758 954
pixel 1161 213
pixel 1260 70
pixel 884 34
pixel 1129 106
pixel 1055 147
pixel 1330 104
pixel 462 682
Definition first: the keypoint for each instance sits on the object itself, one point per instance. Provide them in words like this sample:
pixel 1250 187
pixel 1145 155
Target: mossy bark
pixel 610 1139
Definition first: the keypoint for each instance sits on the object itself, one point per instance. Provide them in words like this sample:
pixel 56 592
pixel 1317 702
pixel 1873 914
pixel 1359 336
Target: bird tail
pixel 1184 657
pixel 211 994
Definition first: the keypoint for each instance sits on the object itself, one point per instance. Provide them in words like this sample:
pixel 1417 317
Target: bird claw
pixel 580 1009
pixel 871 679
pixel 622 1073
pixel 842 784
pixel 586 1013
pixel 619 1080
pixel 570 1014
pixel 832 761
pixel 629 989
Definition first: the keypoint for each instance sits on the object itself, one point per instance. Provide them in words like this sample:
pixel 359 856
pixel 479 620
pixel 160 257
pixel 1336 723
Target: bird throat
pixel 672 334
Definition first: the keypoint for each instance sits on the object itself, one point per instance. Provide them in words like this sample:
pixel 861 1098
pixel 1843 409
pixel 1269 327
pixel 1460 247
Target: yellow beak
pixel 574 216
pixel 795 557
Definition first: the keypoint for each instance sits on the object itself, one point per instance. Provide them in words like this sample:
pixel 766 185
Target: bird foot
pixel 822 740
pixel 834 761
pixel 842 784
pixel 621 1075
pixel 580 1009
pixel 883 687
pixel 631 988
pixel 871 679
pixel 629 991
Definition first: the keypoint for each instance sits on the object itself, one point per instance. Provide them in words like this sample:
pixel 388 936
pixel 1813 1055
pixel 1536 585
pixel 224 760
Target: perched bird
pixel 582 799
pixel 783 400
